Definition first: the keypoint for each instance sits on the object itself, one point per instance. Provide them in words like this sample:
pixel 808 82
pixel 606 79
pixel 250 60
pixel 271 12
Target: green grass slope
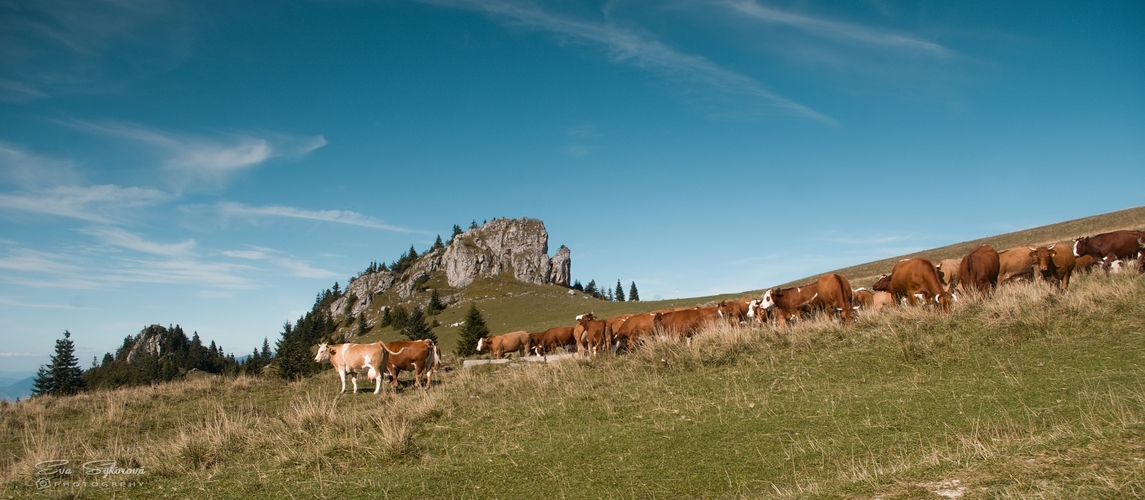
pixel 1032 393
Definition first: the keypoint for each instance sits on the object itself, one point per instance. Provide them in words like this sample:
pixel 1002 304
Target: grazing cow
pixel 633 328
pixel 883 284
pixel 1054 263
pixel 788 302
pixel 1015 264
pixel 1084 264
pixel 506 343
pixel 592 335
pixel 353 358
pixel 978 270
pixel 862 298
pixel 917 279
pixel 948 273
pixel 735 312
pixel 421 357
pixel 883 300
pixel 560 336
pixel 835 294
pixel 1108 247
pixel 683 323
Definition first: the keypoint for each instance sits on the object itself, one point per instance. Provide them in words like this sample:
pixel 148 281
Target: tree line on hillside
pixel 614 294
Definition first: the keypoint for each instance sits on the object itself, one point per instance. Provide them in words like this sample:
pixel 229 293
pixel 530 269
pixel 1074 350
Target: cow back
pixel 978 270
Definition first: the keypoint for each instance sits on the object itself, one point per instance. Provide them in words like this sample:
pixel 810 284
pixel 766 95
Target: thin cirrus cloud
pixel 642 51
pixel 131 241
pixel 189 159
pixel 232 209
pixel 834 29
pixel 100 203
pixel 30 170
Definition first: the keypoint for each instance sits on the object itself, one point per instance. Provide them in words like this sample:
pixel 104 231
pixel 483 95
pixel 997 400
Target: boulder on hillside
pixel 517 246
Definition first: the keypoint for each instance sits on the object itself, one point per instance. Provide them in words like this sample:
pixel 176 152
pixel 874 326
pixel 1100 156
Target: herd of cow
pixel 915 282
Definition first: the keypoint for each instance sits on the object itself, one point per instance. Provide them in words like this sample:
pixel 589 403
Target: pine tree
pixel 438 245
pixel 633 295
pixel 417 328
pixel 435 305
pixel 399 318
pixel 473 225
pixel 590 288
pixel 456 231
pixel 473 329
pixel 619 294
pixel 577 286
pixel 64 375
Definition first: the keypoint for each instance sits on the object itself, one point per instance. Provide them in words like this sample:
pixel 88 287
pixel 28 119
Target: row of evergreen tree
pixel 616 294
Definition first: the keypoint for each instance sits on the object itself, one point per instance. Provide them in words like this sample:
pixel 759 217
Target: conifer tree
pixel 438 245
pixel 456 231
pixel 63 376
pixel 435 305
pixel 473 225
pixel 417 328
pixel 633 295
pixel 473 329
pixel 619 293
pixel 577 286
pixel 590 288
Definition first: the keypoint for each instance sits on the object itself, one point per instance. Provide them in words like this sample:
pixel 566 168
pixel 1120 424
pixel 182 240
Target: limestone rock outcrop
pixel 517 246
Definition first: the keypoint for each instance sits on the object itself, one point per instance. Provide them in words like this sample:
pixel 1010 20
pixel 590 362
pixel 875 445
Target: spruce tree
pixel 417 328
pixel 590 288
pixel 619 294
pixel 473 329
pixel 435 305
pixel 63 376
pixel 438 245
pixel 473 225
pixel 578 286
pixel 633 295
pixel 456 231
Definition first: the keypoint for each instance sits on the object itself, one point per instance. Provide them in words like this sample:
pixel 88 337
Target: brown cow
pixel 735 311
pixel 506 343
pixel 862 298
pixel 352 358
pixel 421 357
pixel 883 284
pixel 884 300
pixel 683 323
pixel 633 328
pixel 1055 264
pixel 917 279
pixel 592 335
pixel 1108 247
pixel 948 273
pixel 978 270
pixel 549 340
pixel 1084 264
pixel 835 294
pixel 1015 264
pixel 788 302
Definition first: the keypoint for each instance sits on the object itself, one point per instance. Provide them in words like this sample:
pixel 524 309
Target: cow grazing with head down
pixel 1084 264
pixel 633 329
pixel 883 300
pixel 917 281
pixel 420 357
pixel 978 270
pixel 1054 263
pixel 835 295
pixel 353 358
pixel 786 303
pixel 505 343
pixel 549 340
pixel 683 323
pixel 592 335
pixel 1109 247
pixel 948 273
pixel 862 298
pixel 734 311
pixel 1015 264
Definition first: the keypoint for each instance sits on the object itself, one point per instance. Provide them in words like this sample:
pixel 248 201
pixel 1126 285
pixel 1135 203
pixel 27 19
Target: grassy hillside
pixel 1032 393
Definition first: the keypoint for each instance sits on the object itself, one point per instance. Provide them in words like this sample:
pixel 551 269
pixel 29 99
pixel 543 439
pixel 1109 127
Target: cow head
pixel 943 300
pixel 883 284
pixel 1043 258
pixel 1081 246
pixel 482 343
pixel 770 297
pixel 324 352
pixel 585 318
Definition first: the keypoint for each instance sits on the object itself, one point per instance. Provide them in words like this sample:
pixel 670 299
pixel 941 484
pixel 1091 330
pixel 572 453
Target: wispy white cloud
pixel 232 209
pixel 100 203
pixel 846 32
pixel 246 254
pixel 8 301
pixel 301 269
pixel 30 170
pixel 33 261
pixel 640 50
pixel 191 159
pixel 131 241
pixel 18 355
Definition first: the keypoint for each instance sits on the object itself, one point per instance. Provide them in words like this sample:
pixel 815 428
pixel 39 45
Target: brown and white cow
pixel 978 270
pixel 861 298
pixel 917 281
pixel 1108 247
pixel 835 295
pixel 948 273
pixel 592 335
pixel 353 358
pixel 1054 263
pixel 734 311
pixel 421 357
pixel 549 340
pixel 788 302
pixel 499 345
pixel 1015 264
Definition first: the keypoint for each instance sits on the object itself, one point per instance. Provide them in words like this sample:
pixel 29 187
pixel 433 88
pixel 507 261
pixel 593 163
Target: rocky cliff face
pixel 517 246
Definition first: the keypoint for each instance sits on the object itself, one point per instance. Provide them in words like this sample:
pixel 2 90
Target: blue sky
pixel 217 164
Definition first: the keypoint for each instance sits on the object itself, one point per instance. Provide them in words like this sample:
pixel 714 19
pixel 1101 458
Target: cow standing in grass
pixel 978 270
pixel 353 358
pixel 592 335
pixel 917 281
pixel 506 343
pixel 835 295
pixel 1054 263
pixel 421 357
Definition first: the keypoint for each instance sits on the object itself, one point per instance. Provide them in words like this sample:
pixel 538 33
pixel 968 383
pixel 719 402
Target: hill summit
pixel 517 247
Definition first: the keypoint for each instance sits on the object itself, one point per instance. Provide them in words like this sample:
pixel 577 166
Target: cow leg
pixel 355 379
pixel 342 378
